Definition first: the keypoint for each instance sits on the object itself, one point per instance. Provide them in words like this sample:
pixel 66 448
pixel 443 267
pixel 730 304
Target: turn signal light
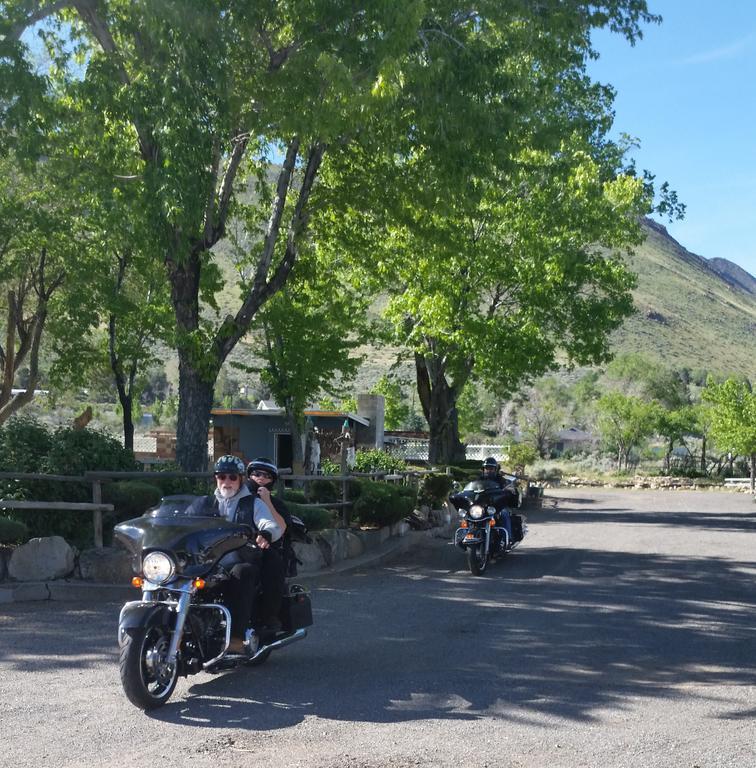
pixel 491 523
pixel 463 524
pixel 198 583
pixel 137 581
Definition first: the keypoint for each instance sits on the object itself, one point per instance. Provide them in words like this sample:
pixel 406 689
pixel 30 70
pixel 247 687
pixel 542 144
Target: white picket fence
pixel 417 450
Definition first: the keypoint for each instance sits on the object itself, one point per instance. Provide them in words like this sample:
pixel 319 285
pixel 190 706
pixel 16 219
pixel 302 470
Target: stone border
pixel 332 551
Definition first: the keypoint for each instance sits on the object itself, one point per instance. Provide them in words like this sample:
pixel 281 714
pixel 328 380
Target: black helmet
pixel 264 465
pixel 490 463
pixel 233 465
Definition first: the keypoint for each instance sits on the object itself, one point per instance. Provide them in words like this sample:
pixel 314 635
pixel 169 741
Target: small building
pixel 264 431
pixel 573 440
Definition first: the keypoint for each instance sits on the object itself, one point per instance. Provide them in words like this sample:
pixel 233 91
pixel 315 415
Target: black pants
pixel 239 591
pixel 273 581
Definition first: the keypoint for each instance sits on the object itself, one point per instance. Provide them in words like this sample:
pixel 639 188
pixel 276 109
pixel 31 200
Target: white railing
pixel 418 450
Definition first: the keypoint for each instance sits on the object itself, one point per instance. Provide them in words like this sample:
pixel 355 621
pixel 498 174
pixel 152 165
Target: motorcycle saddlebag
pixel 516 527
pixel 297 608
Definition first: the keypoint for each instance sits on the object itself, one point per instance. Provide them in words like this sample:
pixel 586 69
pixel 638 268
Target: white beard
pixel 227 493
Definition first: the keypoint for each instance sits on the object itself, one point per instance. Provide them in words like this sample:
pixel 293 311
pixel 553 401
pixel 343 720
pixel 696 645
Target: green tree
pixel 625 422
pixel 543 412
pixel 309 333
pixel 205 93
pixel 650 380
pixel 396 409
pixel 507 284
pixel 39 276
pixel 675 426
pixel 733 418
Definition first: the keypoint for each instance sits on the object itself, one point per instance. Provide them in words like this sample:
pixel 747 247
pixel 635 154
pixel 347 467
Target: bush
pixel 315 518
pixel 75 451
pixel 28 446
pixel 173 486
pixel 381 504
pixel 294 495
pixel 435 490
pixel 24 442
pixel 463 474
pixel 323 491
pixel 130 498
pixel 12 531
pixel 329 467
pixel 378 461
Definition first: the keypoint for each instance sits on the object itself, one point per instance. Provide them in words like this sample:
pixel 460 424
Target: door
pixel 284 456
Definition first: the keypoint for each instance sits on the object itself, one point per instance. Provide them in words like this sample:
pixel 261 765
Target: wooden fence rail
pixel 96 479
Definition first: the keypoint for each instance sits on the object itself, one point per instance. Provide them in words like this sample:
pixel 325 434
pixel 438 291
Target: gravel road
pixel 621 634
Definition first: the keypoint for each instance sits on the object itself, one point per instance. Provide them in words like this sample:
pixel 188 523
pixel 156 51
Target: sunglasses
pixel 257 473
pixel 233 477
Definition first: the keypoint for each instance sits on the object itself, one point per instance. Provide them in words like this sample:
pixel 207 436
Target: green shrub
pixel 463 474
pixel 28 446
pixel 174 486
pixel 378 461
pixel 294 495
pixel 130 498
pixel 315 518
pixel 381 504
pixel 24 442
pixel 329 467
pixel 75 451
pixel 435 490
pixel 12 531
pixel 323 491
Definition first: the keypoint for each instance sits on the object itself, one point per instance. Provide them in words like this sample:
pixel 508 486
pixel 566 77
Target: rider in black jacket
pixel 262 474
pixel 491 471
pixel 233 500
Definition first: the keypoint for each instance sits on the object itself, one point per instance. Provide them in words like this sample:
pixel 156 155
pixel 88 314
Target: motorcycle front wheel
pixel 147 679
pixel 477 559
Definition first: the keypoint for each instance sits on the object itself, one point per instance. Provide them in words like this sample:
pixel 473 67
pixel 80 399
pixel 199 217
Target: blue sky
pixel 686 91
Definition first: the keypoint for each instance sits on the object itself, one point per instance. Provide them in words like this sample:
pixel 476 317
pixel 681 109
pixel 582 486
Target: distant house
pixel 573 439
pixel 264 431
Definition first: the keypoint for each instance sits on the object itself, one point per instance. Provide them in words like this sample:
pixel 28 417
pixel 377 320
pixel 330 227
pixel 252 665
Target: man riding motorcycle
pixel 233 500
pixel 491 472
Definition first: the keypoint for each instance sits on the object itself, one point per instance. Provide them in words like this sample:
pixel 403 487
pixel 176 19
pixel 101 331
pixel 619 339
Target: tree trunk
pixel 128 422
pixel 703 454
pixel 439 401
pixel 753 472
pixel 193 421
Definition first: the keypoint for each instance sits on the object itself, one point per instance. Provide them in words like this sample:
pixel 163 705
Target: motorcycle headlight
pixel 476 511
pixel 157 567
pixel 490 510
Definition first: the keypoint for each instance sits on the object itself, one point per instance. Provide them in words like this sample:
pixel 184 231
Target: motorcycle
pixel 487 528
pixel 181 625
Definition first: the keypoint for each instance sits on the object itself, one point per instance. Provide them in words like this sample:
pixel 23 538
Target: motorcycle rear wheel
pixel 477 559
pixel 147 679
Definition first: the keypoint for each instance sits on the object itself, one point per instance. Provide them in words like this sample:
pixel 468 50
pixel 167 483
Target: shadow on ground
pixel 563 633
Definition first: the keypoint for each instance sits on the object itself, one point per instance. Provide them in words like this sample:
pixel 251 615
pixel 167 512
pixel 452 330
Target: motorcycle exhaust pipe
pixel 299 634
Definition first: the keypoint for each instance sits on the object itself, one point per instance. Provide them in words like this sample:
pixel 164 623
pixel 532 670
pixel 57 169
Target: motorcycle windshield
pixel 477 486
pixel 187 533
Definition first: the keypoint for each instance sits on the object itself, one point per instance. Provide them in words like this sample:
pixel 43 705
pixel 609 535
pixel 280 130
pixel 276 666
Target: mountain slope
pixel 690 311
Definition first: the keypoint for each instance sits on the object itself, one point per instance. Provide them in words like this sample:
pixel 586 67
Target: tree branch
pixel 37 12
pixel 262 289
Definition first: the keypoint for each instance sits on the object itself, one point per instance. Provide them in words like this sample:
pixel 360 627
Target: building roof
pixel 266 412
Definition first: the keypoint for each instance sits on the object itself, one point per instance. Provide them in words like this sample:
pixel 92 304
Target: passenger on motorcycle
pixel 233 500
pixel 262 474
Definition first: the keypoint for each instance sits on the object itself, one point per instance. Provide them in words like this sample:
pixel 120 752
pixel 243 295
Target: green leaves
pixel 732 415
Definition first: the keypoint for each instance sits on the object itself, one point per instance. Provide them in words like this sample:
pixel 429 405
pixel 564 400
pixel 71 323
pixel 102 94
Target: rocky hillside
pixel 691 311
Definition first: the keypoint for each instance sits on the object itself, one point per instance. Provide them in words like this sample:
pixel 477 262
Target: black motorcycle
pixel 488 529
pixel 181 625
